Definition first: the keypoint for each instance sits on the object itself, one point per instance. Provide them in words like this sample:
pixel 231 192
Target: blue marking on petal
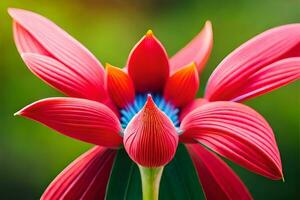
pixel 140 99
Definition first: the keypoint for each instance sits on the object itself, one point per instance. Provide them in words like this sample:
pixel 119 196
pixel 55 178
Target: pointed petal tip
pixel 11 11
pixel 149 33
pixel 18 113
pixel 208 24
pixel 150 104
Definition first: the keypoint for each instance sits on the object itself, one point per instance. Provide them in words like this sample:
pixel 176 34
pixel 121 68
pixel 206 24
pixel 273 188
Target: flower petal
pixel 236 132
pixel 236 69
pixel 36 34
pixel 59 76
pixel 270 78
pixel 25 42
pixel 148 64
pixel 85 120
pixel 119 86
pixel 85 178
pixel 182 86
pixel 150 138
pixel 198 50
pixel 216 177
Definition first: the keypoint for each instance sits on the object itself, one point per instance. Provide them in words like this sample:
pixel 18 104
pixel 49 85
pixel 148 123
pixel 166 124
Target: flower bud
pixel 150 138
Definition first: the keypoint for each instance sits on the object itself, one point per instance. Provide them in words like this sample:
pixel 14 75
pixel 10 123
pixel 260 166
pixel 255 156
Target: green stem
pixel 150 182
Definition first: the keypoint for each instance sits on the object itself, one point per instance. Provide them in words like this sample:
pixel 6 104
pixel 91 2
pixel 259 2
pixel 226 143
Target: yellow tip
pixel 149 33
pixel 17 113
pixel 107 65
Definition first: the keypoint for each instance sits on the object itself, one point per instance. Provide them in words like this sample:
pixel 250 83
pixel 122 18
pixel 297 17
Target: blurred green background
pixel 31 155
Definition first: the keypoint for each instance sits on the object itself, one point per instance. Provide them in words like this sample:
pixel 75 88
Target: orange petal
pixel 119 86
pixel 182 86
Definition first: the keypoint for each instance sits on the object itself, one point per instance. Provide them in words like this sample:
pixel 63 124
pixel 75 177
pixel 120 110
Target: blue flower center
pixel 140 99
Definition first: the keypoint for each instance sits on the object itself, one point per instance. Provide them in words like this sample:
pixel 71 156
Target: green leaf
pixel 179 180
pixel 125 181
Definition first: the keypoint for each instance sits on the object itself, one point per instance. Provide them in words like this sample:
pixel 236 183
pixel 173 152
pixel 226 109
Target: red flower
pixel 100 104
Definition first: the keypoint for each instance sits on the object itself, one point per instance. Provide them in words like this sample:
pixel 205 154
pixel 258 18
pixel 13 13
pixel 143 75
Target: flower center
pixel 140 99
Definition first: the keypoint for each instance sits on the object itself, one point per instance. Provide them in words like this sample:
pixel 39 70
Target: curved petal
pixel 234 72
pixel 85 120
pixel 150 138
pixel 191 106
pixel 236 132
pixel 182 86
pixel 36 34
pixel 217 179
pixel 148 64
pixel 59 76
pixel 270 78
pixel 119 86
pixel 85 178
pixel 198 50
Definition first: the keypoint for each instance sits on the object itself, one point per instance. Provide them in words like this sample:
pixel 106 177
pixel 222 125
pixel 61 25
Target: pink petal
pixel 85 178
pixel 60 76
pixel 85 120
pixel 198 50
pixel 150 138
pixel 119 86
pixel 36 34
pixel 235 71
pixel 216 177
pixel 181 88
pixel 236 132
pixel 148 64
pixel 270 78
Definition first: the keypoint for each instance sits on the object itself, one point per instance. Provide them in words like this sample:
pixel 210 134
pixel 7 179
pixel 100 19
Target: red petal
pixel 148 64
pixel 234 72
pixel 182 86
pixel 150 138
pixel 270 78
pixel 217 179
pixel 119 86
pixel 85 178
pixel 236 132
pixel 198 50
pixel 60 76
pixel 36 34
pixel 82 119
pixel 191 106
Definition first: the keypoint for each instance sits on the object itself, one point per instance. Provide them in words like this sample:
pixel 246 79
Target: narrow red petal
pixel 234 72
pixel 119 86
pixel 150 138
pixel 81 119
pixel 198 50
pixel 148 64
pixel 216 177
pixel 182 86
pixel 36 34
pixel 270 78
pixel 236 132
pixel 60 76
pixel 85 178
